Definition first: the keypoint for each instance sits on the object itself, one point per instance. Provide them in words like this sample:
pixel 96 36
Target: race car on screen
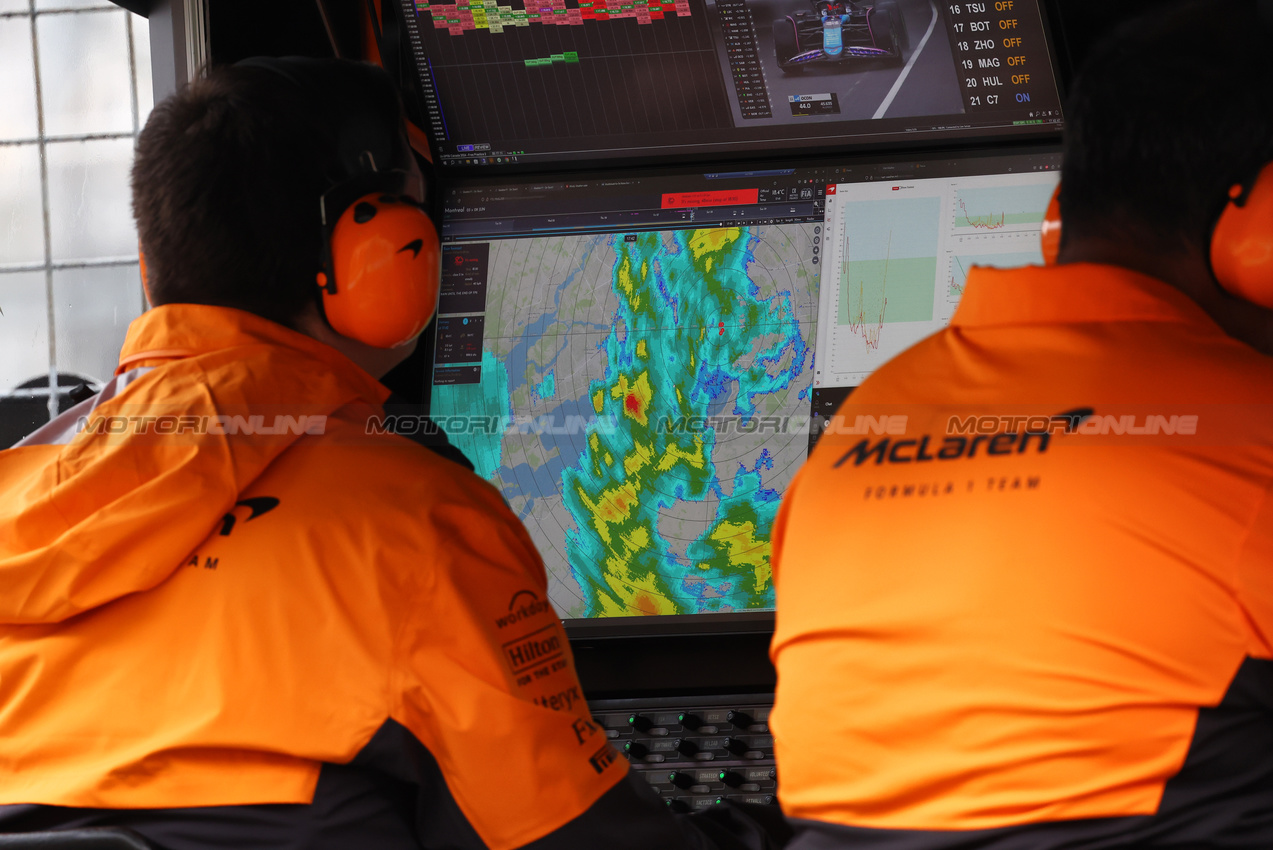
pixel 840 32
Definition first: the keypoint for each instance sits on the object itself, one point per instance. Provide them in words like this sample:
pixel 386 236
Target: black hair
pixel 1167 113
pixel 229 173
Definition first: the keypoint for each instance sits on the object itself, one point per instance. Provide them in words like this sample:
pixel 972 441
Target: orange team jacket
pixel 1025 583
pixel 220 590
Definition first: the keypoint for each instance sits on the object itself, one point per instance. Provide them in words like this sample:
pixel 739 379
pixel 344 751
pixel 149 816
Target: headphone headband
pixel 340 197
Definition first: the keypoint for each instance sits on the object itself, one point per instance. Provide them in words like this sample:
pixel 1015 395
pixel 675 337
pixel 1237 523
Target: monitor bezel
pixel 671 625
pixel 865 144
pixel 708 625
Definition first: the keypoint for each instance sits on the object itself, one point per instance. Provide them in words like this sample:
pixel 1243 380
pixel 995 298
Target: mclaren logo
pixel 258 506
pixel 927 448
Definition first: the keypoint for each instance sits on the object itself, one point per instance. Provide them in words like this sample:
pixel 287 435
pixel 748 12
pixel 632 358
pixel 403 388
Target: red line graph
pixel 981 222
pixel 958 288
pixel 858 324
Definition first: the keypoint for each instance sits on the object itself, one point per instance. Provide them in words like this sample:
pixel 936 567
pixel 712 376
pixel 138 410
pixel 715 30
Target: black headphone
pixel 381 262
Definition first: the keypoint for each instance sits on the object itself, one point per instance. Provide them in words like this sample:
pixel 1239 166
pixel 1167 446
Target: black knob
pixel 689 721
pixel 732 778
pixel 740 719
pixel 681 779
pixel 678 805
pixel 635 749
pixel 737 746
pixel 640 722
pixel 685 746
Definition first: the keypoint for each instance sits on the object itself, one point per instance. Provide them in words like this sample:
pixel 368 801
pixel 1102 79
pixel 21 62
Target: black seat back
pixel 93 838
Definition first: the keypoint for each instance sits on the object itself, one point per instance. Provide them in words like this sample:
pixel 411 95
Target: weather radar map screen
pixel 630 360
pixel 529 83
pixel 650 392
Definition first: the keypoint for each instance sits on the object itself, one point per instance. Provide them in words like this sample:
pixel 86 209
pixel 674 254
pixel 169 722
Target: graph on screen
pixel 899 256
pixel 888 265
pixel 1000 209
pixel 506 71
pixel 957 276
pixel 470 15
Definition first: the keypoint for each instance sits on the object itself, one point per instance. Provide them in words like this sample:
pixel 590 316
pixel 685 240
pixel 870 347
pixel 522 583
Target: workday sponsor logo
pixel 524 605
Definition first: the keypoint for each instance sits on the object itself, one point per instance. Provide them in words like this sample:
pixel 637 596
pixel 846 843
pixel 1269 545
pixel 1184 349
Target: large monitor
pixel 532 84
pixel 640 363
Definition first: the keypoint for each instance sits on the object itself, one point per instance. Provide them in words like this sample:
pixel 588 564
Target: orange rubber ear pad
pixel 1050 235
pixel 1242 243
pixel 387 264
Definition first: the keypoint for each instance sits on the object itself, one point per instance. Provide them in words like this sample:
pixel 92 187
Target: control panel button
pixel 612 721
pixel 685 747
pixel 754 799
pixel 640 722
pixel 760 774
pixel 694 755
pixel 681 779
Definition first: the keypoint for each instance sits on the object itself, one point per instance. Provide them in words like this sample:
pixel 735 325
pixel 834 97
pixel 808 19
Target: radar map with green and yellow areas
pixel 654 389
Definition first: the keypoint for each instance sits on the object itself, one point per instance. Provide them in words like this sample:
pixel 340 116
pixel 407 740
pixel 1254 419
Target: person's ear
pixel 145 283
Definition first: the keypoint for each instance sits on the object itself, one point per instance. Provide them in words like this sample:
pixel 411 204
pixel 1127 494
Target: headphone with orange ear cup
pixel 1242 241
pixel 381 261
pixel 1050 235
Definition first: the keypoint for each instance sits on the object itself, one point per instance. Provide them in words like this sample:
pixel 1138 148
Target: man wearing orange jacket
pixel 1042 618
pixel 232 615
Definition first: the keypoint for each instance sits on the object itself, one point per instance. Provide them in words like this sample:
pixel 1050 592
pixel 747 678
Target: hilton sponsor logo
pixel 535 648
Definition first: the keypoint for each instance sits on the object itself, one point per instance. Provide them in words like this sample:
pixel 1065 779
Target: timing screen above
pixel 563 81
pixel 630 360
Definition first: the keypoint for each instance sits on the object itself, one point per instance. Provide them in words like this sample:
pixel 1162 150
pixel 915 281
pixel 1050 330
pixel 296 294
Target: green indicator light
pixel 632 720
pixel 721 775
pixel 670 775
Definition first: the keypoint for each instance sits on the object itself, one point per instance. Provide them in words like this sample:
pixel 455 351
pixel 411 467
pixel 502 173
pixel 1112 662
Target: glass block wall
pixel 76 89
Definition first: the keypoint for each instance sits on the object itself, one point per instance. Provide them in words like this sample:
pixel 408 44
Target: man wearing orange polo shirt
pixel 1043 617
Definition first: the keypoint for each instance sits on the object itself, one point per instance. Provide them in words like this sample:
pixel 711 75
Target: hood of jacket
pixel 142 476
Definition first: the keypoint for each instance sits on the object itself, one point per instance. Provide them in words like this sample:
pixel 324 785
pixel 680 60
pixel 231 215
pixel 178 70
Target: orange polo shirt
pixel 1039 594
